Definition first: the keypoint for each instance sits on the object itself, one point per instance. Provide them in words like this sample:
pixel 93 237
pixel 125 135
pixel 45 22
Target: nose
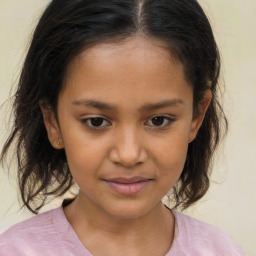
pixel 128 148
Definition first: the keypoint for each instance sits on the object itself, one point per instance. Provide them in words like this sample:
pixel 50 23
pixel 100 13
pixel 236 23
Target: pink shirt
pixel 50 234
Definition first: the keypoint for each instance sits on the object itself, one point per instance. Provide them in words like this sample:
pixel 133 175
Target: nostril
pixel 128 158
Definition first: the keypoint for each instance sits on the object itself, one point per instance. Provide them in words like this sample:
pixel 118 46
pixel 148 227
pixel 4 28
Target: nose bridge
pixel 128 138
pixel 128 148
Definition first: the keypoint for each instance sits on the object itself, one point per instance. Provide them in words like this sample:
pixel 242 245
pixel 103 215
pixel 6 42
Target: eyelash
pixel 167 120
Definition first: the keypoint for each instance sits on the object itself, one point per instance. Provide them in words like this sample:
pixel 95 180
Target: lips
pixel 128 186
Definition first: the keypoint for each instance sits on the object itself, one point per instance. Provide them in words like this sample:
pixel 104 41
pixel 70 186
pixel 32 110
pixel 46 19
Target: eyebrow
pixel 146 107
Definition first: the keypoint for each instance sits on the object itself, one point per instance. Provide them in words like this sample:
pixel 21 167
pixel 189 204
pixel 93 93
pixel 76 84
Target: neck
pixel 89 223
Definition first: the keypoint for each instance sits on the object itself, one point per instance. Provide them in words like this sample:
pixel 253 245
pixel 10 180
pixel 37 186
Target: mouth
pixel 128 186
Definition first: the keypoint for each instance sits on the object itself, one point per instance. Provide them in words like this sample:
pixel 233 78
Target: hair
pixel 68 27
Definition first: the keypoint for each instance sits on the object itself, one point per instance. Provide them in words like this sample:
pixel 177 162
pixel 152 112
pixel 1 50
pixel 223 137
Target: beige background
pixel 231 201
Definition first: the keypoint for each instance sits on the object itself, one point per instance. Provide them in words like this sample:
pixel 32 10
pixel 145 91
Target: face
pixel 125 119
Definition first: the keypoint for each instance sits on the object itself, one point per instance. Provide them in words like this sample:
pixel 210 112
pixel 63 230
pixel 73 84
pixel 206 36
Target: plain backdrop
pixel 231 202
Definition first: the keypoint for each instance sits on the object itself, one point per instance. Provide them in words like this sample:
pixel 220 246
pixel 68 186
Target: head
pixel 70 35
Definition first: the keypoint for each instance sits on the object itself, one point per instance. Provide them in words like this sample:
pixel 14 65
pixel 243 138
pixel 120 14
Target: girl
pixel 118 97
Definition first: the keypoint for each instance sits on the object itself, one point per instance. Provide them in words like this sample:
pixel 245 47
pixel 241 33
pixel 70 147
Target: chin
pixel 129 210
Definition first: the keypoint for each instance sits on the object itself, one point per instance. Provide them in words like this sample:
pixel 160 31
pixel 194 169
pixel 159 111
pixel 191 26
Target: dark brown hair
pixel 66 28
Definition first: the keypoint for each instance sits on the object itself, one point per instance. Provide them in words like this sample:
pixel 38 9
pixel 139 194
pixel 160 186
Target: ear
pixel 199 117
pixel 51 125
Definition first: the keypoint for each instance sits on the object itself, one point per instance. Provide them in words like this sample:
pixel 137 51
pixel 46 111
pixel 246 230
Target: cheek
pixel 84 155
pixel 171 157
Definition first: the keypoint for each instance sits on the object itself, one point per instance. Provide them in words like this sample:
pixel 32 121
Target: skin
pixel 128 143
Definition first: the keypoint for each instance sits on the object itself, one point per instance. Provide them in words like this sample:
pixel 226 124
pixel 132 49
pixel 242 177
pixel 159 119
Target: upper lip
pixel 127 180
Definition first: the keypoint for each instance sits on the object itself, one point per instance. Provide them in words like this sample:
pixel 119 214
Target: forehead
pixel 142 45
pixel 130 52
pixel 138 68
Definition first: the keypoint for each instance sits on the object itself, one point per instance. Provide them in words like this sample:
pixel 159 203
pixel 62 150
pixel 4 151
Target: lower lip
pixel 128 188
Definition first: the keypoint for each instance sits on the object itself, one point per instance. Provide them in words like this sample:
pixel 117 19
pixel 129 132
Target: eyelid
pixel 170 120
pixel 166 117
pixel 85 122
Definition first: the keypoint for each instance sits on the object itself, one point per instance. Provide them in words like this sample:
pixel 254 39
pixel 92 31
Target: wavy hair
pixel 68 27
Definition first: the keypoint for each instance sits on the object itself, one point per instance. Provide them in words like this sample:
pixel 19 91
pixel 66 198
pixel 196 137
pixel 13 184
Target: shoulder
pixel 30 226
pixel 30 235
pixel 202 238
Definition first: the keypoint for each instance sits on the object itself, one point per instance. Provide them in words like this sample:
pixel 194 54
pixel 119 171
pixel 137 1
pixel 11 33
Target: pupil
pixel 96 121
pixel 158 120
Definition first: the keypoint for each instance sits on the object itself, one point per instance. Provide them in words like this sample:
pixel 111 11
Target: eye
pixel 96 122
pixel 160 121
